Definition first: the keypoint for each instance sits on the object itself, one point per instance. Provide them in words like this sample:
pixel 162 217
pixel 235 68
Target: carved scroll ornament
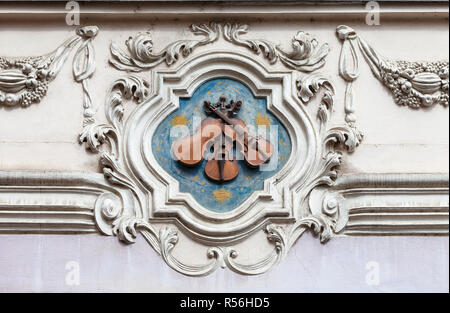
pixel 141 55
pixel 307 55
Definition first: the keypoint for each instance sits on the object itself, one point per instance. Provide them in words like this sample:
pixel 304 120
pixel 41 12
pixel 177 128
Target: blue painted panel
pixel 211 195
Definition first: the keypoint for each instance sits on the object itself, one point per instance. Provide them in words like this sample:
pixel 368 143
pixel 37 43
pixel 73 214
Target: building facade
pixel 227 146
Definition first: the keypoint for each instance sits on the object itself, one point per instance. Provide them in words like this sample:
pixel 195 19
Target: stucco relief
pixel 306 55
pixel 413 84
pixel 24 81
pixel 140 194
pixel 130 162
pixel 140 49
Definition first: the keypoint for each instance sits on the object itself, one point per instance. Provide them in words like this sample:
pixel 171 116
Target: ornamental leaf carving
pixel 307 55
pixel 140 49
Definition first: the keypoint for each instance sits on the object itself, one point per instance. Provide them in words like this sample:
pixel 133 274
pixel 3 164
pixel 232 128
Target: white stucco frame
pixel 276 200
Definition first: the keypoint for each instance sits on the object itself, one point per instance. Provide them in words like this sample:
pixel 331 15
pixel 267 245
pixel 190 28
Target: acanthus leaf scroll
pixel 306 55
pixel 140 49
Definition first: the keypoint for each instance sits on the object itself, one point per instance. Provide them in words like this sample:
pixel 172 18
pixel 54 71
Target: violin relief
pixel 223 135
pixel 221 144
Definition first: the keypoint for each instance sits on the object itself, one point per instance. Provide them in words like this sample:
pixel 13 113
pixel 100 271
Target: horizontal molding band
pixel 395 204
pixel 47 229
pixel 414 231
pixel 175 10
pixel 50 202
pixel 376 204
pixel 394 180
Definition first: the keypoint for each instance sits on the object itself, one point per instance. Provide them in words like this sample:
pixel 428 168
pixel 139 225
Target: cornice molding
pixel 392 204
pixel 55 202
pixel 65 202
pixel 173 10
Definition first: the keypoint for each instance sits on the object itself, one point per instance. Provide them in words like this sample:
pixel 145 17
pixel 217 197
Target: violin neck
pixel 238 128
pixel 220 114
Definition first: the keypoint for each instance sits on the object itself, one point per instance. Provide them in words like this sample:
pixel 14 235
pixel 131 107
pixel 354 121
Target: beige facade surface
pixel 360 204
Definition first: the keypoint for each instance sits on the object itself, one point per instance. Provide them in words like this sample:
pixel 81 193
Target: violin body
pixel 190 150
pixel 255 151
pixel 222 170
pixel 222 166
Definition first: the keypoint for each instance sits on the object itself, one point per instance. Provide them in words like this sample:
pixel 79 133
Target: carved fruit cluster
pixel 22 81
pixel 416 84
pixel 35 95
